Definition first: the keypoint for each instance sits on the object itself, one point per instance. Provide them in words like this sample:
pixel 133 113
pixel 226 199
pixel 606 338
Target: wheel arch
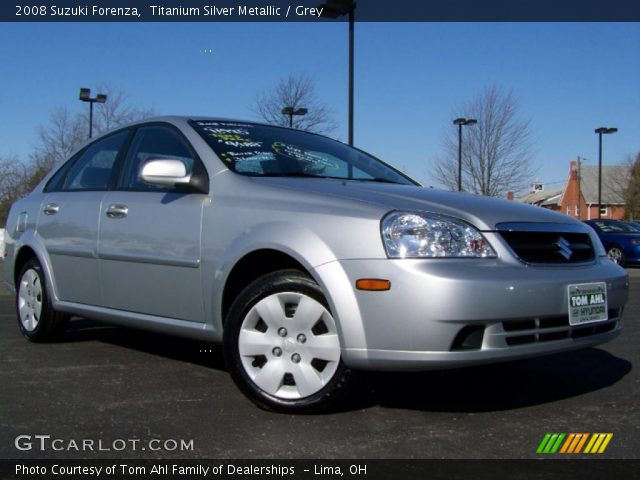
pixel 22 257
pixel 252 266
pixel 283 245
pixel 31 247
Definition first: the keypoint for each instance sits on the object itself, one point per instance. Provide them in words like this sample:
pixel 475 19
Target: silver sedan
pixel 306 258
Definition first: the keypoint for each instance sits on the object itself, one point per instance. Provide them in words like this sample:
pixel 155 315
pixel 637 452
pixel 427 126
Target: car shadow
pixel 175 348
pixel 496 387
pixel 502 386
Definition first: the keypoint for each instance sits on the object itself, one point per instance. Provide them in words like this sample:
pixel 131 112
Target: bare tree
pixel 14 181
pixel 117 110
pixel 631 193
pixel 57 139
pixel 296 91
pixel 65 132
pixel 497 155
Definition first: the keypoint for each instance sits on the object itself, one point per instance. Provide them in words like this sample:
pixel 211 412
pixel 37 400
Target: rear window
pixel 262 150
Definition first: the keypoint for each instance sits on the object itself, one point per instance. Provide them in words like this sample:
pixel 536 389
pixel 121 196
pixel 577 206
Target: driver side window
pixel 153 142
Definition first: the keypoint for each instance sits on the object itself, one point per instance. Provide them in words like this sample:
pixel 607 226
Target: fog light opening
pixel 469 338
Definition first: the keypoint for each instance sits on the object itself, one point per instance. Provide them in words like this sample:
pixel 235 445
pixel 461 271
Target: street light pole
pixel 335 9
pixel 351 59
pixel 91 119
pixel 460 122
pixel 290 111
pixel 459 157
pixel 85 96
pixel 600 131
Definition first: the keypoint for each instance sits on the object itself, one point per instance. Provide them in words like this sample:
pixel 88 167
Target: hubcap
pixel 615 255
pixel 310 340
pixel 30 300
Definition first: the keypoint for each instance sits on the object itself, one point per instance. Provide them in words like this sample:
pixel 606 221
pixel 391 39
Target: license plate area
pixel 587 303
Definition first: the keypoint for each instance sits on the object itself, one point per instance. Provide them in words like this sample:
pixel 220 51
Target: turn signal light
pixel 373 284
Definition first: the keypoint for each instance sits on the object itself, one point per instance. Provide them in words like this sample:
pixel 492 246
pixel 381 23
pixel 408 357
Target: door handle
pixel 51 209
pixel 117 211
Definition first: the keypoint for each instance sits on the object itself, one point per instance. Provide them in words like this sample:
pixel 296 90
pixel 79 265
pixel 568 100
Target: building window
pixel 568 209
pixel 604 211
pixel 577 211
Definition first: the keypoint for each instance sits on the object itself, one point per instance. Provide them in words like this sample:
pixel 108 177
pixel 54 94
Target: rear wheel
pixel 281 345
pixel 616 255
pixel 37 319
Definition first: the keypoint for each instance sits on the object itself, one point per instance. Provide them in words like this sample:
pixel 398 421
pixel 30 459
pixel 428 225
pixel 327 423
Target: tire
pixel 281 345
pixel 616 255
pixel 37 319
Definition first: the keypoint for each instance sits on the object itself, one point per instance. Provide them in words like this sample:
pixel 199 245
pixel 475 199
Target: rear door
pixel 68 222
pixel 149 240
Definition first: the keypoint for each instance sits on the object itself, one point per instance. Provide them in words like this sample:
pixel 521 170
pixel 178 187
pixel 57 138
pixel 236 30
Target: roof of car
pixel 203 118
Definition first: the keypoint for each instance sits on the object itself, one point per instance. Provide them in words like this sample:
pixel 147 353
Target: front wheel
pixel 616 255
pixel 37 319
pixel 281 345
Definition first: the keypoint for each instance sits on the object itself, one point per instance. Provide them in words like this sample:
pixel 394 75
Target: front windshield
pixel 261 150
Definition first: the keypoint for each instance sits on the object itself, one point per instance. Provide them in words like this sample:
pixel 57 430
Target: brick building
pixel 542 198
pixel 580 195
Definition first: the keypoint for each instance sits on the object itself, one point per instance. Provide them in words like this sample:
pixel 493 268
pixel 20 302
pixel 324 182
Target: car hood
pixel 482 212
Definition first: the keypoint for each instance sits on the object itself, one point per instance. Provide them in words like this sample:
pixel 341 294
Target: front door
pixel 149 241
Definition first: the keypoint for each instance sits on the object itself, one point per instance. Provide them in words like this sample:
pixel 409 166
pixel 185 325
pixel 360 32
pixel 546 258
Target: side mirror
pixel 165 172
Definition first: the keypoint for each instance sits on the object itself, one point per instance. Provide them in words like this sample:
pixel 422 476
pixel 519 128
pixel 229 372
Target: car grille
pixel 537 330
pixel 550 247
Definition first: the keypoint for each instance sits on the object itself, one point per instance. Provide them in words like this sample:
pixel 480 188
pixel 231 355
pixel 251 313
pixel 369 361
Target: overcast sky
pixel 409 79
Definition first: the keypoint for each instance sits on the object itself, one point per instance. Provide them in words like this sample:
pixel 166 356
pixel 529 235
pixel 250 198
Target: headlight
pixel 420 235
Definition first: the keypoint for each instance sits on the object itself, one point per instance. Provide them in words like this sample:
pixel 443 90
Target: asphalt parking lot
pixel 106 383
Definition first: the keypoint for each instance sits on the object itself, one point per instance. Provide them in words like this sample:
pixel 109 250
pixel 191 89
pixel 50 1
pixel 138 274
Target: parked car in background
pixel 634 224
pixel 620 239
pixel 305 258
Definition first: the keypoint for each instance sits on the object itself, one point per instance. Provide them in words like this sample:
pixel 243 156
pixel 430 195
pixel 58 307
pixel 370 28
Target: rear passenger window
pixel 93 169
pixel 153 143
pixel 56 181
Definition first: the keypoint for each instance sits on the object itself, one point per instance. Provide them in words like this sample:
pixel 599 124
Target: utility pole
pixel 578 177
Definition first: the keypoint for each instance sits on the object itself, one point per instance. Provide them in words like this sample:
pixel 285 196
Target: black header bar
pixel 357 469
pixel 316 10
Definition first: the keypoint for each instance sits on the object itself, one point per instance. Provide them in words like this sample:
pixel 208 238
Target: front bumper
pixel 518 311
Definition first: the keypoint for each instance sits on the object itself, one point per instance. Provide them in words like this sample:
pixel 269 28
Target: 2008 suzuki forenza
pixel 305 257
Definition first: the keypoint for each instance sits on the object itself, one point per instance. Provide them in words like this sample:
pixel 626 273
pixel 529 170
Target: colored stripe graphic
pixel 581 442
pixel 567 443
pixel 598 442
pixel 573 443
pixel 543 443
pixel 550 443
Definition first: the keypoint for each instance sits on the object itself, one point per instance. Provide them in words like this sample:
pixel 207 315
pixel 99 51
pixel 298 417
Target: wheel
pixel 37 319
pixel 616 255
pixel 281 345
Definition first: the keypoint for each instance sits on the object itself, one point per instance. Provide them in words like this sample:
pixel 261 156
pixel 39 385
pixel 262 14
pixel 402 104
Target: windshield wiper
pixel 311 175
pixel 375 179
pixel 296 174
